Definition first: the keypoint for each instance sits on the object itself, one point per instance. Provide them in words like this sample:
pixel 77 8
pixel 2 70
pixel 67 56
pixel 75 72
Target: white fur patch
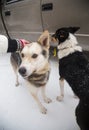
pixel 33 64
pixel 3 44
pixel 68 47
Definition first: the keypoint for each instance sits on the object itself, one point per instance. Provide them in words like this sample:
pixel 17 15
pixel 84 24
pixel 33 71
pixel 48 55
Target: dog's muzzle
pixel 54 38
pixel 22 71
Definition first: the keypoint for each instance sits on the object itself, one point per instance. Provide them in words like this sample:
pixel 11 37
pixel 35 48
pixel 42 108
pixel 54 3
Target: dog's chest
pixel 38 80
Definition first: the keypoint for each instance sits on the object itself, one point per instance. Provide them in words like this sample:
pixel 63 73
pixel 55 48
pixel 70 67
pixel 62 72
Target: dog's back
pixel 75 69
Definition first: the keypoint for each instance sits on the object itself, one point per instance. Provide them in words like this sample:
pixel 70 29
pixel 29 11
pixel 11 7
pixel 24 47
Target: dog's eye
pixel 34 56
pixel 22 55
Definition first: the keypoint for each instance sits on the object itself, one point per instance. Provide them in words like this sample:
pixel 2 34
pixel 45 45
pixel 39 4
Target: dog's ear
pixel 73 29
pixel 44 39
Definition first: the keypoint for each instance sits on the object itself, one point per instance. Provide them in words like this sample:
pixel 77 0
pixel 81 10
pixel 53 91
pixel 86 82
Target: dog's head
pixel 62 34
pixel 35 56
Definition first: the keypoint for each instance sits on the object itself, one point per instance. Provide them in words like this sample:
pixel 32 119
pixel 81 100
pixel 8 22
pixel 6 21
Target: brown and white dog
pixel 34 67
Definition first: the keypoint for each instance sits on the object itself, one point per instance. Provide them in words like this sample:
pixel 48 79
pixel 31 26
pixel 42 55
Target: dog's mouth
pixel 24 74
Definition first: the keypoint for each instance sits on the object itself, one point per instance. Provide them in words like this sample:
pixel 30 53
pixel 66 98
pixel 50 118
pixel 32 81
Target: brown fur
pixel 38 77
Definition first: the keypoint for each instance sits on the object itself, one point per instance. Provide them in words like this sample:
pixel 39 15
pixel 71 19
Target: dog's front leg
pixel 41 107
pixel 61 83
pixel 46 99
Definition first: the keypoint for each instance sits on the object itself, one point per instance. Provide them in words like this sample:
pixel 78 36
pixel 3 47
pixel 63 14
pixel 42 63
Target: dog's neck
pixel 68 47
pixel 40 78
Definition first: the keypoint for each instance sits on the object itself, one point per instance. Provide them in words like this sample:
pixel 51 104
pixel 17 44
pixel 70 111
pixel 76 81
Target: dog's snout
pixel 54 38
pixel 53 35
pixel 22 70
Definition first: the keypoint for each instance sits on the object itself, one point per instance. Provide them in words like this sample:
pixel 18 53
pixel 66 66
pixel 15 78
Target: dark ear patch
pixel 73 29
pixel 44 53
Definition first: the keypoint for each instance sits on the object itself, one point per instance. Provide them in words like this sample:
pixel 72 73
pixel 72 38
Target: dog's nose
pixel 53 35
pixel 22 70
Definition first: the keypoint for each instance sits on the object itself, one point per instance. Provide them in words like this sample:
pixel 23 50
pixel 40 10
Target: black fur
pixel 74 68
pixel 44 52
pixel 63 33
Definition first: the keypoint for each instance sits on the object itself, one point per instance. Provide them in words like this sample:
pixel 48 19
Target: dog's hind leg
pixel 61 83
pixel 17 81
pixel 15 68
pixel 16 73
pixel 46 99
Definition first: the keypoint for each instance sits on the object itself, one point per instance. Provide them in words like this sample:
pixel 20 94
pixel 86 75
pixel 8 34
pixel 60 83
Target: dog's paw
pixel 17 84
pixel 59 98
pixel 43 110
pixel 47 100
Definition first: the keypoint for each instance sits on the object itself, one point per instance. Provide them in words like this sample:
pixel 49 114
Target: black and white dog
pixel 74 68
